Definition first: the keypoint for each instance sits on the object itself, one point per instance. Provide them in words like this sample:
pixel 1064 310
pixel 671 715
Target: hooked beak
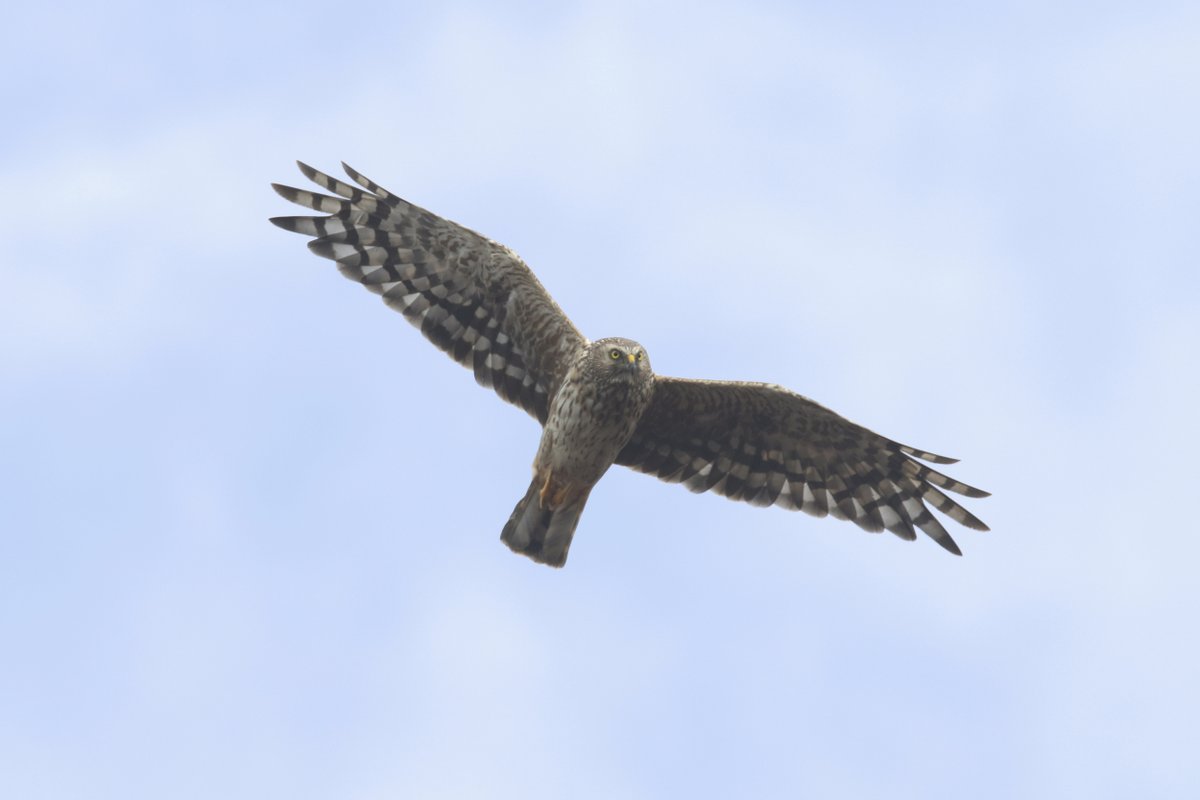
pixel 630 356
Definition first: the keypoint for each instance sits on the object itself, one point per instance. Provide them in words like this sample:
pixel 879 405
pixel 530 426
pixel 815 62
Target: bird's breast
pixel 588 425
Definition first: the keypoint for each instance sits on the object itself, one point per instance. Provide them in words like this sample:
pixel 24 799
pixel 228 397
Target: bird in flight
pixel 599 402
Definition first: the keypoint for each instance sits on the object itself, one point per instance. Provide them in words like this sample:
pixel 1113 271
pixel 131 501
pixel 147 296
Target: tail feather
pixel 542 533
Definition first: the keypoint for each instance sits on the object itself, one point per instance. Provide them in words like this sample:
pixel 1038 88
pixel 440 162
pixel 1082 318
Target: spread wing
pixel 472 297
pixel 768 446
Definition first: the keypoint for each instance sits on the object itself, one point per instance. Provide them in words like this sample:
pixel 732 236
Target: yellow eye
pixel 639 355
pixel 614 354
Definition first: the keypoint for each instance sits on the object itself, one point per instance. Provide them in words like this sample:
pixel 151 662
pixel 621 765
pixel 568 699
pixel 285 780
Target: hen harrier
pixel 599 402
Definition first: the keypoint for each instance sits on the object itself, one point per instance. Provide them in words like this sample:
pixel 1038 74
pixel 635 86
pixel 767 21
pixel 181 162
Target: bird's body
pixel 599 402
pixel 591 418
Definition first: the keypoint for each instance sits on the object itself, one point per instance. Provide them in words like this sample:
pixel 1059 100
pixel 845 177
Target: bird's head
pixel 624 356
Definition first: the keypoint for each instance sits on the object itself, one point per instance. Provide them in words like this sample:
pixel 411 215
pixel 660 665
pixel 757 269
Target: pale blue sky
pixel 249 518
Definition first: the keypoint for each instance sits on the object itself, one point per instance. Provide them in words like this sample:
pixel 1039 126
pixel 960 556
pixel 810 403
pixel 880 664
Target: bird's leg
pixel 555 495
pixel 544 496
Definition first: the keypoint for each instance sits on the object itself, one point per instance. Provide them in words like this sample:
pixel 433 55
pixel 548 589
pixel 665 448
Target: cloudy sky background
pixel 249 517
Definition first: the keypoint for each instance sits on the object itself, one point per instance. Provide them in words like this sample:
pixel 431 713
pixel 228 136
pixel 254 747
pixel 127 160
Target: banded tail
pixel 542 528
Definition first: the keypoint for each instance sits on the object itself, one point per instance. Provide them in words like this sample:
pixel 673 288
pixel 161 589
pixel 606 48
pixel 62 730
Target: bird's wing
pixel 472 297
pixel 768 446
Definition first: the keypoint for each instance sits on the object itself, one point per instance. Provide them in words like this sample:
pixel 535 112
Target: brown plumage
pixel 599 402
pixel 591 417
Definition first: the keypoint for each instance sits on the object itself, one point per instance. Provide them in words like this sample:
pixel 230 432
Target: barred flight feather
pixel 765 445
pixel 471 297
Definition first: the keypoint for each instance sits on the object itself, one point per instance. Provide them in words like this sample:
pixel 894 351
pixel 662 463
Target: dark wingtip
pixel 281 222
pixel 924 455
pixel 949 545
pixel 322 247
pixel 285 191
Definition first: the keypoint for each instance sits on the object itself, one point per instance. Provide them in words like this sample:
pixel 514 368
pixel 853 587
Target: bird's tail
pixel 542 528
